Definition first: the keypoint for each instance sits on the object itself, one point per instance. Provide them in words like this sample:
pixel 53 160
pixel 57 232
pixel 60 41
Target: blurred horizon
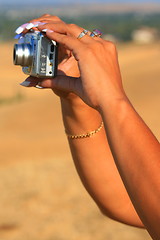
pixel 119 19
pixel 59 2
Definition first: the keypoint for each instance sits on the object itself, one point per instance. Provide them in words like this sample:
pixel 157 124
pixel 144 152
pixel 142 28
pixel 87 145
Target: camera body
pixel 37 55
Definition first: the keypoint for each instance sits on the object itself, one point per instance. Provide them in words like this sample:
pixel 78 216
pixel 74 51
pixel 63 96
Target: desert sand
pixel 41 196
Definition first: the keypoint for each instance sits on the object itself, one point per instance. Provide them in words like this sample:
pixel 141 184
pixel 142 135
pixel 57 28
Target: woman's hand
pixel 100 78
pixel 98 65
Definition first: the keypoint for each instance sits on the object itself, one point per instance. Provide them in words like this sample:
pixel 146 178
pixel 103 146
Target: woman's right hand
pixel 99 79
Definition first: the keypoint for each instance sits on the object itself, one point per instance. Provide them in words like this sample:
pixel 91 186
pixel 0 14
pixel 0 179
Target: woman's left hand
pixel 67 65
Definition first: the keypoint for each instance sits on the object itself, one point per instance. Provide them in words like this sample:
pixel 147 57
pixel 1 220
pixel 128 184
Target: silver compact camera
pixel 37 55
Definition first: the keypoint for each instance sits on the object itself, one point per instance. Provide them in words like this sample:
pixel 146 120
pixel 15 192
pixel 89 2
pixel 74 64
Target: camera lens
pixel 23 54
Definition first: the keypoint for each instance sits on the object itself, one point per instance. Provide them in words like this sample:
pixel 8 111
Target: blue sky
pixel 67 1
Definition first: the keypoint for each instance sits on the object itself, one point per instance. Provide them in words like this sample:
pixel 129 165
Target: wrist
pixel 71 100
pixel 112 100
pixel 79 117
pixel 116 110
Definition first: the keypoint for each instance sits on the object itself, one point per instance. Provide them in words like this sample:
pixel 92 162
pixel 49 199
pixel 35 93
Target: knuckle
pixel 112 46
pixel 97 46
pixel 89 51
pixel 55 18
pixel 46 15
pixel 72 25
pixel 94 49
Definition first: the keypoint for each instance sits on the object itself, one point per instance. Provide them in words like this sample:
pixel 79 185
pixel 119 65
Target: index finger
pixel 69 42
pixel 46 17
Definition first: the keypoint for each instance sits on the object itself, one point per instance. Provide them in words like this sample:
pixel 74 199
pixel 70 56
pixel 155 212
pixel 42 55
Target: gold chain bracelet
pixel 85 135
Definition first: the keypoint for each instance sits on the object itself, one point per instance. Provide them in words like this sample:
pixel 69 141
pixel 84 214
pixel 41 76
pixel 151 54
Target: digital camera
pixel 36 54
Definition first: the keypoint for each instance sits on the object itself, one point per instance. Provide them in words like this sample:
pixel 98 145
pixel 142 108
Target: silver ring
pixel 96 33
pixel 82 34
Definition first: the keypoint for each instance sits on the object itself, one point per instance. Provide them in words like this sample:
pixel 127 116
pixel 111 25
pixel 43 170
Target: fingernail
pixel 44 30
pixel 21 28
pixel 36 24
pixel 41 23
pixel 38 86
pixel 49 31
pixel 29 26
pixel 25 83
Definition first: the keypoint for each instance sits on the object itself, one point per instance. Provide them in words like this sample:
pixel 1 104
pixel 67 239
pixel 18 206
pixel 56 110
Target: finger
pixel 76 31
pixel 49 17
pixel 33 25
pixel 63 83
pixel 61 27
pixel 69 42
pixel 46 15
pixel 55 26
pixel 30 82
pixel 27 26
pixel 46 18
pixel 67 29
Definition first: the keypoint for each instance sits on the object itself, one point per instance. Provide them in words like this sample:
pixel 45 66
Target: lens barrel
pixel 23 54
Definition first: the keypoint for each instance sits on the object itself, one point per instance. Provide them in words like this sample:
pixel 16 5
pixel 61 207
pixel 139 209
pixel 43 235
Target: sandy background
pixel 41 196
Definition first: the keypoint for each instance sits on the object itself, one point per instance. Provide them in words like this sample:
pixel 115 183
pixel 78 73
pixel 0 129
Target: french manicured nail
pixel 21 28
pixel 29 26
pixel 33 24
pixel 41 23
pixel 47 30
pixel 39 87
pixel 25 83
pixel 44 30
pixel 36 24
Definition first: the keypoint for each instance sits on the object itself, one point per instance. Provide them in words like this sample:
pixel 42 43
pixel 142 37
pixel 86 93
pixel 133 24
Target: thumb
pixel 63 83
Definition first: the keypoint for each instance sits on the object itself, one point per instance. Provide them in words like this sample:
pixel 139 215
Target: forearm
pixel 137 155
pixel 95 164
